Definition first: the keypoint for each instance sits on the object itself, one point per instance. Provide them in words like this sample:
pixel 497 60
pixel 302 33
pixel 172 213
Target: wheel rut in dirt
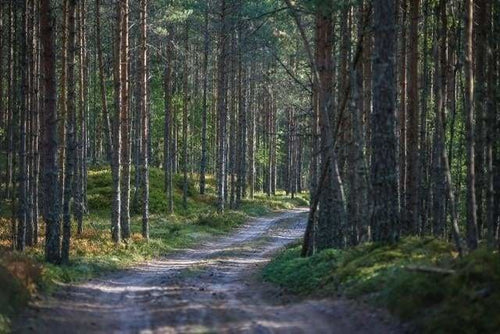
pixel 211 288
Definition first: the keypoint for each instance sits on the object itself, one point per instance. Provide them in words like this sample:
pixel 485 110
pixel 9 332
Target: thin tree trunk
pixel 206 48
pixel 185 76
pixel 117 145
pixel 125 122
pixel 145 117
pixel 23 167
pixel 221 111
pixel 71 130
pixel 168 131
pixel 480 105
pixel 472 233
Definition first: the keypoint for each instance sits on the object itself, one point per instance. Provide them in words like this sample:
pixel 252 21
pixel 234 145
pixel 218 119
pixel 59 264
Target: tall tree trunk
pixel 385 215
pixel 332 211
pixel 36 121
pixel 71 130
pixel 472 233
pixel 206 50
pixel 480 105
pixel 221 111
pixel 439 179
pixel 492 128
pixel 167 148
pixel 63 99
pixel 402 114
pixel 251 137
pixel 23 167
pixel 48 137
pixel 144 121
pixel 185 77
pixel 117 145
pixel 357 202
pixel 125 122
pixel 412 180
pixel 79 128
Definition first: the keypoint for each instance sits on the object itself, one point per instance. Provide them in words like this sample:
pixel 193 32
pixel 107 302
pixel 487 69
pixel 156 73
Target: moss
pixel 465 302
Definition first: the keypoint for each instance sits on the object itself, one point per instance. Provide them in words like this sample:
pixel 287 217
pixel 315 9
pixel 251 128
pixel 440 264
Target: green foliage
pixel 464 302
pixel 223 221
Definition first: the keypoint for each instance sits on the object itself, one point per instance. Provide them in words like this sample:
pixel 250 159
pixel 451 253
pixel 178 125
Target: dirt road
pixel 212 288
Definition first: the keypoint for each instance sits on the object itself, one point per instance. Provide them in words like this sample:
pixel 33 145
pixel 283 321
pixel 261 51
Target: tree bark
pixel 472 233
pixel 144 120
pixel 117 145
pixel 206 50
pixel 385 215
pixel 48 136
pixel 71 130
pixel 125 122
pixel 221 111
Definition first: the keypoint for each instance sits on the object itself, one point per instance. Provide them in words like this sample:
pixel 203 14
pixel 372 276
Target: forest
pixel 227 166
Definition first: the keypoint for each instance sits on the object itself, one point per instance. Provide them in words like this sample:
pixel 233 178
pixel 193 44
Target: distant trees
pixel 387 111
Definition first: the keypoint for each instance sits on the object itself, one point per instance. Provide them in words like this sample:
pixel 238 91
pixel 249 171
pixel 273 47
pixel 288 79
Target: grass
pixel 94 253
pixel 464 302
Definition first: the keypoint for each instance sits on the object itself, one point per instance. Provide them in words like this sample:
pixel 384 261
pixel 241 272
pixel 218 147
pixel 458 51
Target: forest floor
pixel 213 287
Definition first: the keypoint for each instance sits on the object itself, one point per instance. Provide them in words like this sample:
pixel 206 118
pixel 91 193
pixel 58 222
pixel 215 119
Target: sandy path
pixel 209 289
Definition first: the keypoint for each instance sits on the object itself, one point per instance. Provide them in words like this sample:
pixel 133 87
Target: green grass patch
pixel 464 302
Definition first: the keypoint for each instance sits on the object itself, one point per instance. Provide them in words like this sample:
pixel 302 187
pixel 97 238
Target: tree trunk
pixel 117 145
pixel 125 122
pixel 412 180
pixel 332 211
pixel 206 48
pixel 71 130
pixel 221 111
pixel 167 148
pixel 385 215
pixel 144 120
pixel 185 77
pixel 48 136
pixel 472 234
pixel 480 105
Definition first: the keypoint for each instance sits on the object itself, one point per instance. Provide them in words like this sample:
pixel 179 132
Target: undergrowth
pixel 466 301
pixel 93 253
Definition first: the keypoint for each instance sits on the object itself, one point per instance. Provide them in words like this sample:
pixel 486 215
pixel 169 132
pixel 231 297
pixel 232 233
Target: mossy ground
pixel 94 253
pixel 465 302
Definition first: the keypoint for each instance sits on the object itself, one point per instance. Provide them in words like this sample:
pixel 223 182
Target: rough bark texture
pixel 331 214
pixel 71 150
pixel 412 181
pixel 385 215
pixel 221 111
pixel 48 136
pixel 472 233
pixel 125 122
pixel 117 145
pixel 144 120
pixel 206 49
